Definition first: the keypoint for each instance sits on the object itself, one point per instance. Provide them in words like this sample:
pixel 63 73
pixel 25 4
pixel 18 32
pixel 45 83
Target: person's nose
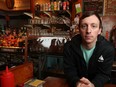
pixel 88 30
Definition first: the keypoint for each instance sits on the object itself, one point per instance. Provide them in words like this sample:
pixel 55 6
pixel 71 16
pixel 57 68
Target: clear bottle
pixel 60 5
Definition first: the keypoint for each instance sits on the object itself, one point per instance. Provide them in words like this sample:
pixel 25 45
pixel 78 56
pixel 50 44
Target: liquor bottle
pixel 67 5
pixel 52 5
pixel 64 5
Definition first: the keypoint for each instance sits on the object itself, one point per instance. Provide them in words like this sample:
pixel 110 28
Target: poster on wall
pixel 93 5
pixel 110 7
pixel 78 8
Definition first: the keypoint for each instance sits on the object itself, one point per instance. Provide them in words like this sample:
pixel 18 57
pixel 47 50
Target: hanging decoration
pixel 10 4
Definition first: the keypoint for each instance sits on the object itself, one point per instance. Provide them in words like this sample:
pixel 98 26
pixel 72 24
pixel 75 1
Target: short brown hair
pixel 87 14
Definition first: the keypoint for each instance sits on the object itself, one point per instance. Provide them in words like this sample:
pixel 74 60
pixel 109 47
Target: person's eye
pixel 94 26
pixel 84 26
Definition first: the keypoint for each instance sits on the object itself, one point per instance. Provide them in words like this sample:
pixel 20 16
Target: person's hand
pixel 78 84
pixel 84 82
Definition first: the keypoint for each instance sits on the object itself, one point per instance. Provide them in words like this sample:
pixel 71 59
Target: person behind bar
pixel 88 56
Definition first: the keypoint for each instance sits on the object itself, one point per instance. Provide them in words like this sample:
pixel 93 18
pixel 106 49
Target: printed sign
pixel 78 8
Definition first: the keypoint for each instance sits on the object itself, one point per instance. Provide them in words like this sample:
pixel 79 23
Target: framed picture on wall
pixel 93 5
pixel 110 7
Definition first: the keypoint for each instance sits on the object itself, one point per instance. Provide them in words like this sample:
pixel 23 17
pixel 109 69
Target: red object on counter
pixel 7 79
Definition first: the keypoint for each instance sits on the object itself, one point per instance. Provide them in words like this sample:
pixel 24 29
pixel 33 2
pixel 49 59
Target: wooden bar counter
pixel 60 82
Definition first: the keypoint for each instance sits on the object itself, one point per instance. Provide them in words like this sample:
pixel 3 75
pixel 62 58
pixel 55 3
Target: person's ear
pixel 100 31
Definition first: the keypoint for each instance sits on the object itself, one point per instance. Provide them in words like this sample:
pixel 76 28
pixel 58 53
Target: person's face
pixel 89 29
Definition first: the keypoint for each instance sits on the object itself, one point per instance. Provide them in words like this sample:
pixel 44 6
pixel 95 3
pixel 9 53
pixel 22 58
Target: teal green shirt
pixel 87 54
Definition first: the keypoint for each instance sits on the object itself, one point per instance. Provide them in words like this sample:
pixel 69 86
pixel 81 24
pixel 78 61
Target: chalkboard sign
pixel 93 5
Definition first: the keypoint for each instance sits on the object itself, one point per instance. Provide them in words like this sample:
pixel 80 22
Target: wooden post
pixel 26 49
pixel 32 8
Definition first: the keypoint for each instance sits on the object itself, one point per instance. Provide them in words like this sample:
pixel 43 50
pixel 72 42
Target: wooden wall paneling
pixel 22 5
pixel 19 5
pixel 41 1
pixel 2 5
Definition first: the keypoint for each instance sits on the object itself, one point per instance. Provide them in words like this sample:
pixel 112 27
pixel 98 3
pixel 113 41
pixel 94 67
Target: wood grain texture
pixel 61 82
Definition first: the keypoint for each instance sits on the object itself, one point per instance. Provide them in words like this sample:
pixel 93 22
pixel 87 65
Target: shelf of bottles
pixel 53 5
pixel 51 19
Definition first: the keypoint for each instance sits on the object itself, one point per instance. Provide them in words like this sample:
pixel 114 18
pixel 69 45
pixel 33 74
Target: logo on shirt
pixel 101 59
